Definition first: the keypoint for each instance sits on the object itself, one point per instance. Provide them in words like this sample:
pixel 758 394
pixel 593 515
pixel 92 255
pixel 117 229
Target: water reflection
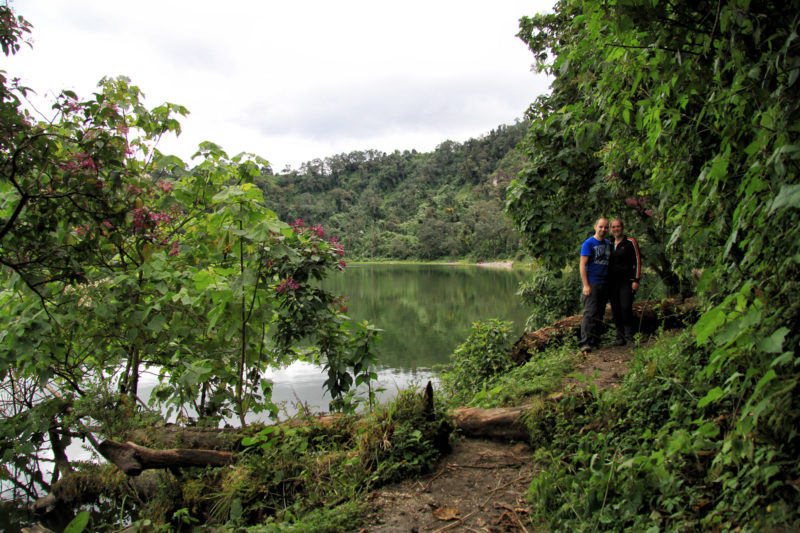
pixel 299 386
pixel 425 311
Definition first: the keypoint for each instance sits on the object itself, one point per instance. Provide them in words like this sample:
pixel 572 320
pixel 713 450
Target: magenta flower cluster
pixel 287 285
pixel 299 225
pixel 145 219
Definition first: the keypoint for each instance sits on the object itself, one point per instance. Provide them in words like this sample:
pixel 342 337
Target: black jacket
pixel 626 261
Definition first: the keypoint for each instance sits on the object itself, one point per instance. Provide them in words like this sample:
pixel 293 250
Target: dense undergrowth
pixel 303 475
pixel 646 457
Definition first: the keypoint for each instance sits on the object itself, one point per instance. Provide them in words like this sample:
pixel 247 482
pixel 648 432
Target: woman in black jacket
pixel 624 272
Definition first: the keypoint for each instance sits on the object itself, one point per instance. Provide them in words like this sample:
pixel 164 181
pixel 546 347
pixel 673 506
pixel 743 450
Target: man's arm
pixel 587 289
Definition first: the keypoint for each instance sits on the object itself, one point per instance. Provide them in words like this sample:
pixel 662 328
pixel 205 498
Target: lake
pixel 425 311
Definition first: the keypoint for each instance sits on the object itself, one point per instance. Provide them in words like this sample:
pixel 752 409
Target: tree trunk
pixel 505 423
pixel 649 316
pixel 78 488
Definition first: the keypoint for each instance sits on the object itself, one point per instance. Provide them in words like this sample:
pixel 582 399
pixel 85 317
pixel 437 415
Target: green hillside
pixel 448 203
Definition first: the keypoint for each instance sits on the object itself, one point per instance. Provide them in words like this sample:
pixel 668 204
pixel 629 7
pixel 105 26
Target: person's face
pixel 616 228
pixel 601 228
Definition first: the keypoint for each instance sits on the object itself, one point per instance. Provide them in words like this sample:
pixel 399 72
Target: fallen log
pixel 133 459
pixel 649 315
pixel 189 437
pixel 502 423
pixel 511 423
pixel 79 488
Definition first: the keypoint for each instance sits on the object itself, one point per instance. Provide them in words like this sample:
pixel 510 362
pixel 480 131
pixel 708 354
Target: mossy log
pixel 79 488
pixel 191 437
pixel 649 315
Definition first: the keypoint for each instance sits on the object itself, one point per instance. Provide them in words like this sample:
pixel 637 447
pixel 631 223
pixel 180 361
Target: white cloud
pixel 293 81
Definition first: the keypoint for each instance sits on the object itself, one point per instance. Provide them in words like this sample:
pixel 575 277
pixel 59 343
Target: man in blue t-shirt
pixel 595 253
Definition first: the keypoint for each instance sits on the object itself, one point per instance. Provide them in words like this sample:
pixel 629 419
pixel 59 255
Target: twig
pixel 456 523
pixel 427 486
pixel 506 485
pixel 494 467
pixel 461 520
pixel 519 521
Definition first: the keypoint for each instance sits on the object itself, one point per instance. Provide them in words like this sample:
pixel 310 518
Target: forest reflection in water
pixel 425 311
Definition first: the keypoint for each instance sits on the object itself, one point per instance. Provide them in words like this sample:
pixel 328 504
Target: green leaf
pixel 236 509
pixel 79 523
pixel 788 196
pixel 713 395
pixel 156 324
pixel 708 323
pixel 766 378
pixel 774 343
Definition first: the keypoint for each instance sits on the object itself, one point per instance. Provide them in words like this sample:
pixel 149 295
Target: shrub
pixel 478 361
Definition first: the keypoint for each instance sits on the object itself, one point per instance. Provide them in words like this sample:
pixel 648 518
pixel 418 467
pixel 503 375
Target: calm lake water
pixel 425 311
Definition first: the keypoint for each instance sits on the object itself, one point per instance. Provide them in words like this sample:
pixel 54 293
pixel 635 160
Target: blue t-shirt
pixel 599 252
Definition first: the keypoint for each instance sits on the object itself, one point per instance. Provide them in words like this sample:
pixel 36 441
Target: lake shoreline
pixel 502 265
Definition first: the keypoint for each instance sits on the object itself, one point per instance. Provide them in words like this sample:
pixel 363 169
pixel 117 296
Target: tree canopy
pixel 683 118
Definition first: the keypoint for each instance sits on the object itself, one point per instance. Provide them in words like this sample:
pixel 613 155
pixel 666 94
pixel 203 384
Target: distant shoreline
pixel 503 265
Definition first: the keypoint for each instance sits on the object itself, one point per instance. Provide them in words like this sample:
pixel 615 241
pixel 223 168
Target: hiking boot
pixel 586 349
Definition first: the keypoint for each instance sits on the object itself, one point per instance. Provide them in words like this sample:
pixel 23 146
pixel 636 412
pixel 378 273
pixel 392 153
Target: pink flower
pixel 85 161
pixel 107 224
pixel 286 285
pixel 174 249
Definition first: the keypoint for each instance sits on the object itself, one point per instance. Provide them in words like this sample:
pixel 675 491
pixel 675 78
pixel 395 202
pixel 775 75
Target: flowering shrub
pixel 115 258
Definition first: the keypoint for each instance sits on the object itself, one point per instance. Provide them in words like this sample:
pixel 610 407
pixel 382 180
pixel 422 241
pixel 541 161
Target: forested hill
pixel 448 203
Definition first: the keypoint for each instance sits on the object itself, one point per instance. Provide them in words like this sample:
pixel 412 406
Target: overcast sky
pixel 295 80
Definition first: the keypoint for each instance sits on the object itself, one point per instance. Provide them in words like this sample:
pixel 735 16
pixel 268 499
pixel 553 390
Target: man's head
pixel 600 228
pixel 617 227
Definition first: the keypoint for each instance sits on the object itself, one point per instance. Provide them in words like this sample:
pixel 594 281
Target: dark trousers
pixel 621 295
pixel 594 306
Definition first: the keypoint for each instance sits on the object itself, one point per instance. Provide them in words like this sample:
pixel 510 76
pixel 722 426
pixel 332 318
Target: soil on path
pixel 481 485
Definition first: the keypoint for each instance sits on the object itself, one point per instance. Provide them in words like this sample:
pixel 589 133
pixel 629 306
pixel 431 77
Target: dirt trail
pixel 481 485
